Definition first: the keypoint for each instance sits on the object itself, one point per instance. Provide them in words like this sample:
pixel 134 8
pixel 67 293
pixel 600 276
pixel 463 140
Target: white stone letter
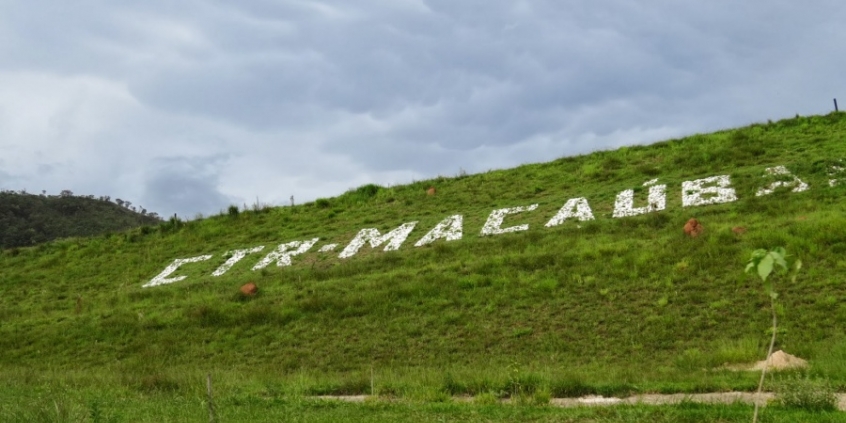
pixel 624 204
pixel 162 278
pixel 692 191
pixel 327 248
pixel 449 228
pixel 236 256
pixel 282 255
pixel 833 171
pixel 781 171
pixel 582 212
pixel 395 238
pixel 492 226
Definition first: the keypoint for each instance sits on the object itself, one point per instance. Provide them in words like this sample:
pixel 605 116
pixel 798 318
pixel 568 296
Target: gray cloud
pixel 8 181
pixel 268 98
pixel 185 185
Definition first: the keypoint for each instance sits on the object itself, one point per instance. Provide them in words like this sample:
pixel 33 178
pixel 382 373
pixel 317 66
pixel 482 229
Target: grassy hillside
pixel 610 305
pixel 27 219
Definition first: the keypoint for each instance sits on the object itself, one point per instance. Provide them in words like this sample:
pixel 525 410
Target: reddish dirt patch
pixel 249 289
pixel 739 230
pixel 693 228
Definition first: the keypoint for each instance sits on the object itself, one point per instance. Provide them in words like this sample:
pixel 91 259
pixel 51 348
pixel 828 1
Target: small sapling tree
pixel 763 262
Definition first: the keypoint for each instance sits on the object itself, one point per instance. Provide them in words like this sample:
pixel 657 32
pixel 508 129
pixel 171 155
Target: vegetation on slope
pixel 607 306
pixel 27 219
pixel 67 407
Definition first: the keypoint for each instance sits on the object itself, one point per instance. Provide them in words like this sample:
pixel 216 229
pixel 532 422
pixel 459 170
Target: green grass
pixel 53 405
pixel 610 306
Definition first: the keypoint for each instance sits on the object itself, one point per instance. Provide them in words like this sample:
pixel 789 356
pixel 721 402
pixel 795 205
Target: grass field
pixel 66 408
pixel 609 306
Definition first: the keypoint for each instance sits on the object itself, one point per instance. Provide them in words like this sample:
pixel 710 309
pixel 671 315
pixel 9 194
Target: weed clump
pixel 486 398
pixel 805 393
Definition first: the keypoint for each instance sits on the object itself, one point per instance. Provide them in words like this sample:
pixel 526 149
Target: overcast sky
pixel 189 106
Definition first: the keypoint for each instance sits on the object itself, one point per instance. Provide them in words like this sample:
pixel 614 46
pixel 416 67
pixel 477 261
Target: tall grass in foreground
pixel 233 408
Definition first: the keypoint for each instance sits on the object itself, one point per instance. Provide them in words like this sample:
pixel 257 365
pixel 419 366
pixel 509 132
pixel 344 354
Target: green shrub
pixel 233 211
pixel 541 397
pixel 806 393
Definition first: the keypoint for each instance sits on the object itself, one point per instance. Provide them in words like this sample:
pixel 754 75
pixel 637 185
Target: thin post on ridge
pixel 835 105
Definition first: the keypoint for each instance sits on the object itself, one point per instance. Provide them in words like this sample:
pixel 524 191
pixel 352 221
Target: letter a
pixel 574 207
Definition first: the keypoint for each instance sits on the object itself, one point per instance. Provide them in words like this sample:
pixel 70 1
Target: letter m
pixel 394 238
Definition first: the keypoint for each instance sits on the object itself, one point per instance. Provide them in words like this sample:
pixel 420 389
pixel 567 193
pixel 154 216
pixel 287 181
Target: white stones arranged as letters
pixel 699 192
pixel 494 223
pixel 692 191
pixel 787 180
pixel 449 229
pixel 163 279
pixel 656 201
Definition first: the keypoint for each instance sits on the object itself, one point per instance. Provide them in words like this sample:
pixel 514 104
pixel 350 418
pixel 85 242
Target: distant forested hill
pixel 27 219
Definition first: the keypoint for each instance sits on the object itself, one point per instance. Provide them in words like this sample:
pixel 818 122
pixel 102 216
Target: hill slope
pixel 572 306
pixel 27 220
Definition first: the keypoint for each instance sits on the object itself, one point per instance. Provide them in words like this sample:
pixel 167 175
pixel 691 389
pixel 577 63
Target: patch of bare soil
pixel 660 399
pixel 344 398
pixel 781 360
pixel 651 399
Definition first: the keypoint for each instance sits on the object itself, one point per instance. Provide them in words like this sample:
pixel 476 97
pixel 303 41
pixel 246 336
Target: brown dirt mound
pixel 249 289
pixel 693 228
pixel 781 360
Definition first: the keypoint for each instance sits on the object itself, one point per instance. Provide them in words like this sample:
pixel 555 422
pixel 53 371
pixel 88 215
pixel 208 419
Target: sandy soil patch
pixel 781 360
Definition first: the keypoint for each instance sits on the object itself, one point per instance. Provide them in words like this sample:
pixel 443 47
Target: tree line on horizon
pixel 29 219
pixel 65 193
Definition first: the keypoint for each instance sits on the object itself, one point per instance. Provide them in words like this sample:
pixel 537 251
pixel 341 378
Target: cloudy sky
pixel 187 107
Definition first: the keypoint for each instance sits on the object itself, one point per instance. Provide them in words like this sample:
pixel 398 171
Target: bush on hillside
pixel 806 393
